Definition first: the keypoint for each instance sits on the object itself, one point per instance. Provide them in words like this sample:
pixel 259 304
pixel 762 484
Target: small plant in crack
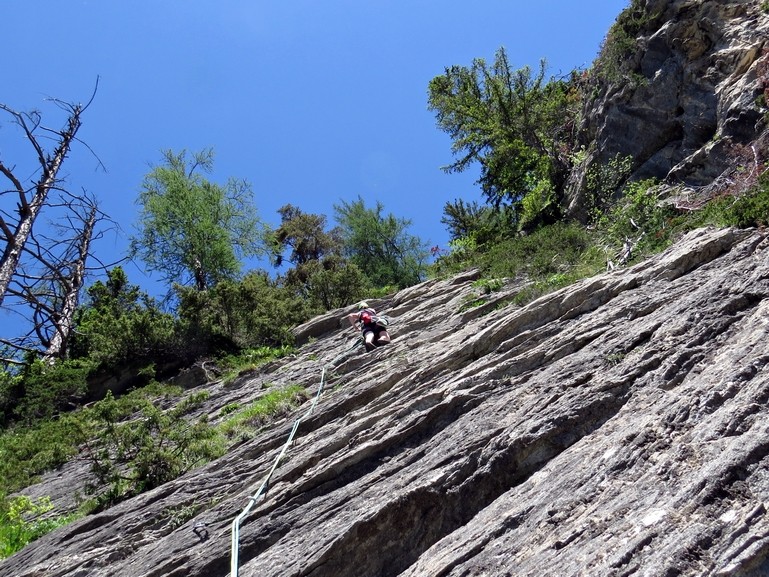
pixel 178 516
pixel 614 359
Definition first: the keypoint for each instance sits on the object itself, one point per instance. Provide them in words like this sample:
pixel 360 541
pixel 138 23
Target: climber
pixel 372 326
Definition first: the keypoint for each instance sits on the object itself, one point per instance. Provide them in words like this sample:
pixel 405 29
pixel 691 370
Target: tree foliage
pixel 240 314
pixel 330 283
pixel 190 230
pixel 515 125
pixel 132 456
pixel 321 274
pixel 119 323
pixel 482 223
pixel 304 235
pixel 380 245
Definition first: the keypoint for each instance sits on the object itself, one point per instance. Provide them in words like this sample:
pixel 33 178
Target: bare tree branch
pixel 44 272
pixel 65 319
pixel 30 209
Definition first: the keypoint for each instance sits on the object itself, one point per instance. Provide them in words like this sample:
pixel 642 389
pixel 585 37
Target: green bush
pixel 21 522
pixel 27 451
pixel 249 359
pixel 147 450
pixel 548 250
pixel 748 210
pixel 42 390
pixel 551 256
pixel 462 254
pixel 621 43
pixel 327 284
pixel 638 217
pixel 538 205
pixel 253 312
pixel 604 184
pixel 120 324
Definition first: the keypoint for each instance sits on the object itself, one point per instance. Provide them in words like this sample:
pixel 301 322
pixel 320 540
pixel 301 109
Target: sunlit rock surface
pixel 616 427
pixel 690 104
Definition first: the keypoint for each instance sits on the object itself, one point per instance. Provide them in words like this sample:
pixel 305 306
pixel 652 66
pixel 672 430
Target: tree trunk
pixel 57 348
pixel 29 210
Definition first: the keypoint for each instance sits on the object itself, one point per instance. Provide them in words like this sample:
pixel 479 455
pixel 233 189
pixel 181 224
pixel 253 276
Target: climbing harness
pixel 266 481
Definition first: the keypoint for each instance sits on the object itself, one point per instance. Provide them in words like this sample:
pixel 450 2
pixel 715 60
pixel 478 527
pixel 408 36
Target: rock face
pixel 695 103
pixel 616 427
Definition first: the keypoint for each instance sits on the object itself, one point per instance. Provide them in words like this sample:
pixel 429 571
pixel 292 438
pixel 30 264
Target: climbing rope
pixel 266 481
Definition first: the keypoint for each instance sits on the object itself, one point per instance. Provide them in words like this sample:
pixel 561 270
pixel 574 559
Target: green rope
pixel 266 481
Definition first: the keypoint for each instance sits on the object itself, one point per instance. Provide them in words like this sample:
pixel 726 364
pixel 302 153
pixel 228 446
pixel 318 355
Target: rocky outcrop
pixel 615 427
pixel 619 426
pixel 690 104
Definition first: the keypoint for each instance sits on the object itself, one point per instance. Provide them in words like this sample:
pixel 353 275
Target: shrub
pixel 603 184
pixel 747 210
pixel 249 359
pixel 44 390
pixel 21 522
pixel 538 205
pixel 28 451
pixel 154 447
pixel 327 284
pixel 119 323
pixel 548 250
pixel 253 312
pixel 638 218
pixel 621 43
pixel 462 254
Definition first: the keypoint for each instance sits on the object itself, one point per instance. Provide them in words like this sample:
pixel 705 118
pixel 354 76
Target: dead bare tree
pixel 44 265
pixel 72 283
pixel 49 281
pixel 32 199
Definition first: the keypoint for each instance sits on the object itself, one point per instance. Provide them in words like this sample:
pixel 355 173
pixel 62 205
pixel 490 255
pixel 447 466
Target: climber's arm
pixel 353 318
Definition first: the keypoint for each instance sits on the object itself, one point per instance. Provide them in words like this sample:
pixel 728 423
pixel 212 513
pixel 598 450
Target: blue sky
pixel 311 102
